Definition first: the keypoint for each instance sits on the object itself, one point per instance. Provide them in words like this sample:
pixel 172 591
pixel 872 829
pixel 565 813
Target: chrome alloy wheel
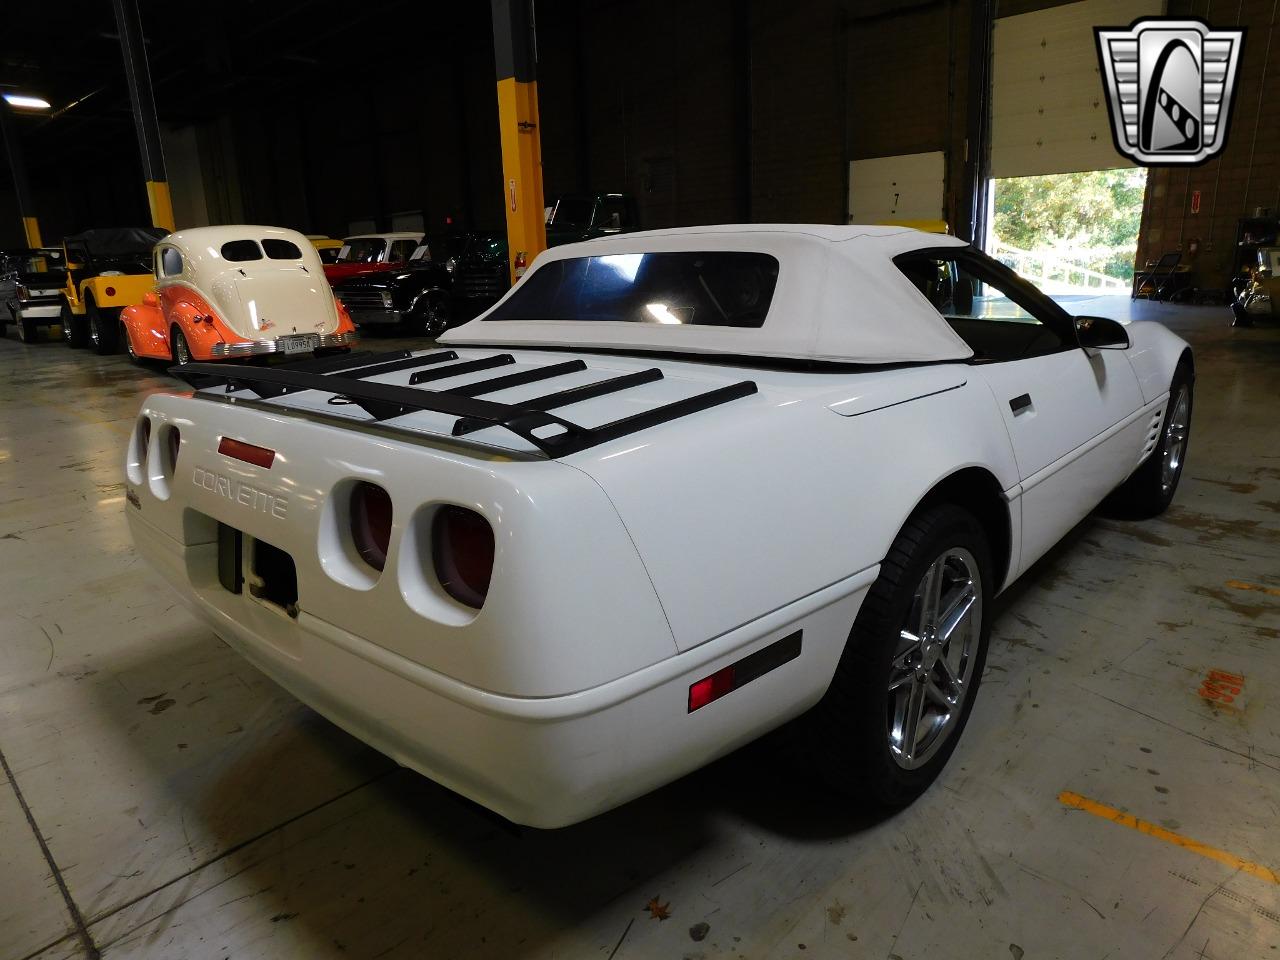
pixel 1175 439
pixel 932 670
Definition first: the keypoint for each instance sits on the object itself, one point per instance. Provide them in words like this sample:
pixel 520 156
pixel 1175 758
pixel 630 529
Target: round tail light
pixel 110 291
pixel 371 523
pixel 462 547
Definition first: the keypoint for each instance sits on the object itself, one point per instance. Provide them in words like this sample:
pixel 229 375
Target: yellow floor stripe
pixel 1241 585
pixel 1077 802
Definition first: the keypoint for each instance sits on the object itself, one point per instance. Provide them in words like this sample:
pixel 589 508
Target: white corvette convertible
pixel 674 490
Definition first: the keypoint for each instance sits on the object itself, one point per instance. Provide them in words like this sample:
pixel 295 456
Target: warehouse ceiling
pixel 203 62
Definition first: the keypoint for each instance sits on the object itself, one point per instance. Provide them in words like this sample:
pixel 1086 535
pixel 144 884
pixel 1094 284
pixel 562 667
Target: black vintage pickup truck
pixel 415 296
pixel 482 273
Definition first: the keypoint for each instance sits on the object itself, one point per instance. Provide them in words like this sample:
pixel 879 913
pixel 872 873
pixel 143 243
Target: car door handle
pixel 1018 404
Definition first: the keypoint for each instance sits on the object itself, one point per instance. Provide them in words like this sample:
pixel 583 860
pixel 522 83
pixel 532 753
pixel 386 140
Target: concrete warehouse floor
pixel 163 799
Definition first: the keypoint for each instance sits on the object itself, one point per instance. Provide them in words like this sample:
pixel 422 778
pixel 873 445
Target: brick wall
pixel 1246 175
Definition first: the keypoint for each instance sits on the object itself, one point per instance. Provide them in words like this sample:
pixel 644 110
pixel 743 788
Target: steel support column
pixel 971 211
pixel 516 56
pixel 18 167
pixel 138 74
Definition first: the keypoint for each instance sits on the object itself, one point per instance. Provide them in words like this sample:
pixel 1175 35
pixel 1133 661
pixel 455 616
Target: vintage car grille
pixel 363 300
pixel 482 281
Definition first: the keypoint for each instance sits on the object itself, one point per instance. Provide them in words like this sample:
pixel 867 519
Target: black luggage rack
pixel 346 378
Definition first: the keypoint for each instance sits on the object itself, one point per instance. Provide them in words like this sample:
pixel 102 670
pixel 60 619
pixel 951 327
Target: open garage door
pixel 1049 114
pixel 1064 207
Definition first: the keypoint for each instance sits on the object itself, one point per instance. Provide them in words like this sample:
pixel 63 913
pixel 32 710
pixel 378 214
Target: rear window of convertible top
pixel 241 251
pixel 722 288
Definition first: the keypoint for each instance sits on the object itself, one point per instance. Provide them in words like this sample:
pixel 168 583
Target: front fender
pixel 145 327
pixel 1154 352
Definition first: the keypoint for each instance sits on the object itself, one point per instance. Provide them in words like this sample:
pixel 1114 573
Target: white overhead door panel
pixel 897 188
pixel 1049 110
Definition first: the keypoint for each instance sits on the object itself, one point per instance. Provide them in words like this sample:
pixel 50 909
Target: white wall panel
pixel 897 188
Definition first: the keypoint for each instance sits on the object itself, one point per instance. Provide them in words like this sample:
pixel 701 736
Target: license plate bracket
pixel 298 343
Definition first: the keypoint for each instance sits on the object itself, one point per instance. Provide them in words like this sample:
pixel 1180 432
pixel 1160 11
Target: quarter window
pixel 987 310
pixel 170 262
pixel 241 251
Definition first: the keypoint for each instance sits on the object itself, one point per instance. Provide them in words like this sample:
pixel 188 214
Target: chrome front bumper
pixel 254 348
pixel 369 316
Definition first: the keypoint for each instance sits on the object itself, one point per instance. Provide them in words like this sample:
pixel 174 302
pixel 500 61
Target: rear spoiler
pixel 346 378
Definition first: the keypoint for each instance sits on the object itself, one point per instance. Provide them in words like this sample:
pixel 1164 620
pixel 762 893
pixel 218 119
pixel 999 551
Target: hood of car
pixel 407 276
pixel 335 272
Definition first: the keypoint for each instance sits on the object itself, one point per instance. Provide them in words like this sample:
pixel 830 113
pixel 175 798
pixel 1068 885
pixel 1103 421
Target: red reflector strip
pixel 739 674
pixel 710 688
pixel 258 456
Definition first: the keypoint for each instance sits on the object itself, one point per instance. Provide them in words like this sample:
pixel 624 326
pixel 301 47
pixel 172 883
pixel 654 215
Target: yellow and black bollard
pixel 516 57
pixel 138 75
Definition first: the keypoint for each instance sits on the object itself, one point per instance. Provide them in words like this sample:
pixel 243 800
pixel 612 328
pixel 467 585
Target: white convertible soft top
pixel 839 298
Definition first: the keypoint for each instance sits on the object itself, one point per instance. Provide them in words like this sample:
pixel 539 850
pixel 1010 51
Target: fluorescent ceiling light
pixel 25 102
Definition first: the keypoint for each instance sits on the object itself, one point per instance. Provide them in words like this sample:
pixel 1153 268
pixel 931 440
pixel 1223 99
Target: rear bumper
pixel 40 308
pixel 542 761
pixel 254 348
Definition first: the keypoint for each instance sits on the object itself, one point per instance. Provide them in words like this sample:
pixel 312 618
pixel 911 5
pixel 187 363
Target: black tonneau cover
pixel 346 378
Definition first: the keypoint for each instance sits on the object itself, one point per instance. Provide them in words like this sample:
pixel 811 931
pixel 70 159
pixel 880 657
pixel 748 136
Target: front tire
pixel 910 672
pixel 1149 491
pixel 430 316
pixel 128 345
pixel 74 331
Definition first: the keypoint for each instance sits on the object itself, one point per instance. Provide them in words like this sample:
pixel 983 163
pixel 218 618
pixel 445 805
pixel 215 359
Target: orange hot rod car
pixel 234 292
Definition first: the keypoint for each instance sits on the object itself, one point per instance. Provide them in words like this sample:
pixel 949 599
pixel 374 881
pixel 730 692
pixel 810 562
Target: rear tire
pixel 74 332
pixel 28 330
pixel 1149 491
pixel 102 328
pixel 181 350
pixel 910 672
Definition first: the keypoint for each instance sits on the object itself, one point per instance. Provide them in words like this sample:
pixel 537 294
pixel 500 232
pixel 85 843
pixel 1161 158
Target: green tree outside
pixel 1092 216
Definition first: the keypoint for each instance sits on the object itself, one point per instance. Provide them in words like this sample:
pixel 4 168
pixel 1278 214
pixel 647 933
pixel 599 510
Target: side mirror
pixel 150 299
pixel 1101 333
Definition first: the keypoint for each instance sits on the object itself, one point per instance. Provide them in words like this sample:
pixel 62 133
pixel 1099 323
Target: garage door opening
pixel 1069 233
